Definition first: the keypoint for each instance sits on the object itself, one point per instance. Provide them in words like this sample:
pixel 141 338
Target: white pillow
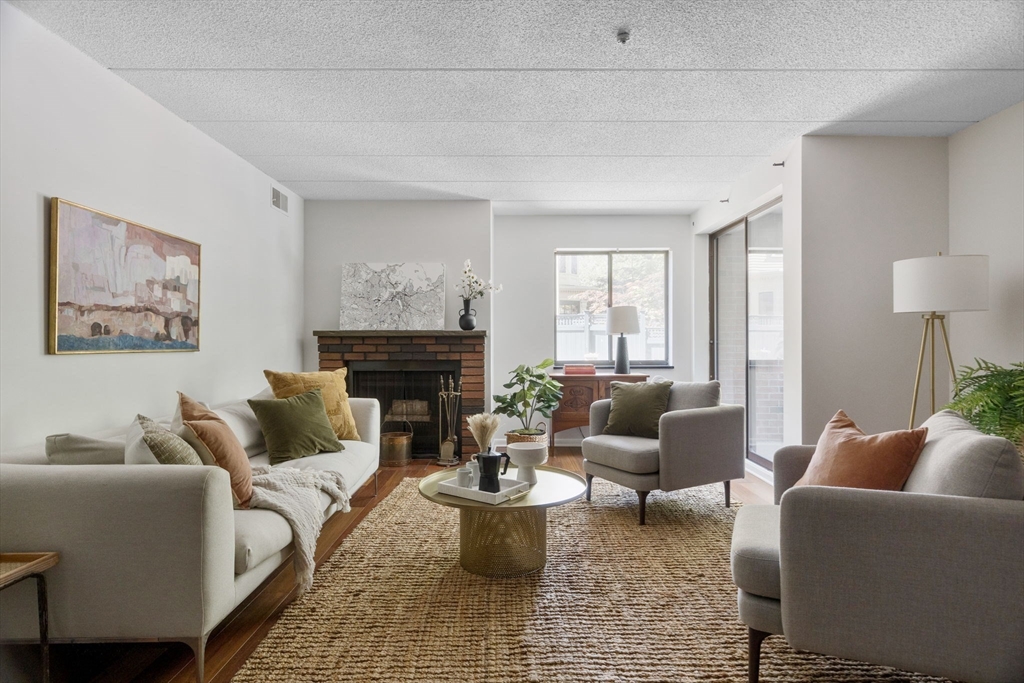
pixel 243 422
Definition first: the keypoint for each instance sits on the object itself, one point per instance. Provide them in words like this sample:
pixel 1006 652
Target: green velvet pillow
pixel 295 427
pixel 637 407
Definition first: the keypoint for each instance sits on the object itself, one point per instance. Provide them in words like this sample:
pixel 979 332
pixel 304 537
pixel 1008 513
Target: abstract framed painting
pixel 392 296
pixel 119 287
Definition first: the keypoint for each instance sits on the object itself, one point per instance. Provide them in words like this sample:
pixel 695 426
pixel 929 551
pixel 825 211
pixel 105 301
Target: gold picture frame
pixel 117 286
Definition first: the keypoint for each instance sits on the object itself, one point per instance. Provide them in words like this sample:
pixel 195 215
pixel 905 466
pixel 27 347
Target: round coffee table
pixel 510 539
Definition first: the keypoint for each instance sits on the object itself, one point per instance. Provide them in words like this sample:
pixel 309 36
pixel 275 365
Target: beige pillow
pixel 216 444
pixel 846 456
pixel 149 443
pixel 332 388
pixel 75 449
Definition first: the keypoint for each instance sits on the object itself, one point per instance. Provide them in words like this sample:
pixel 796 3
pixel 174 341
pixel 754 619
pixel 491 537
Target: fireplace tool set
pixel 448 419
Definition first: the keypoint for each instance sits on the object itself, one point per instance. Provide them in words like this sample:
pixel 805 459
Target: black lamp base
pixel 622 356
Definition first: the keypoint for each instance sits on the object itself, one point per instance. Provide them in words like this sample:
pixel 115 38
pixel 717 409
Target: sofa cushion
pixel 628 453
pixel 689 395
pixel 637 408
pixel 296 427
pixel 217 445
pixel 355 464
pixel 335 395
pixel 755 550
pixel 243 422
pixel 149 443
pixel 846 456
pixel 77 449
pixel 958 460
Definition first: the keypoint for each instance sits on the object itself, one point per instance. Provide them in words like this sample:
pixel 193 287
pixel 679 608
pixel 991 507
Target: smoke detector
pixel 622 36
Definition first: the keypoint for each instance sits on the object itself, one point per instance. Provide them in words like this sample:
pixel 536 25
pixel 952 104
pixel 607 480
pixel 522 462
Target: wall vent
pixel 279 199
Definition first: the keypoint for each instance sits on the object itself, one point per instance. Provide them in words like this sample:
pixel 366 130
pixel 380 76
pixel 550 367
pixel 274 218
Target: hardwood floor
pixel 233 641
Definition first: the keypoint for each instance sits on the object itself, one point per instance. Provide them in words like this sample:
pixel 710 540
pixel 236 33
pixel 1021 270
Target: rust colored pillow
pixel 217 445
pixel 332 389
pixel 846 456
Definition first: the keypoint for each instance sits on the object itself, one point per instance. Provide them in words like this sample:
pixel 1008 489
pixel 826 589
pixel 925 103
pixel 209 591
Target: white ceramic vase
pixel 526 456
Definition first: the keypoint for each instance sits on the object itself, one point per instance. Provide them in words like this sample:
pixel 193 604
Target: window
pixel 588 282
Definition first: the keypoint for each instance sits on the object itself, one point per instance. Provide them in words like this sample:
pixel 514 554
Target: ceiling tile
pixel 748 34
pixel 505 168
pixel 539 139
pixel 236 95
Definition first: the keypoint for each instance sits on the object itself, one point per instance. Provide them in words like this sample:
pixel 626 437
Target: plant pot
pixel 512 437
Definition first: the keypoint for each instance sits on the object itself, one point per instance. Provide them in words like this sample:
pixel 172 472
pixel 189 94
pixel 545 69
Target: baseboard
pixel 760 472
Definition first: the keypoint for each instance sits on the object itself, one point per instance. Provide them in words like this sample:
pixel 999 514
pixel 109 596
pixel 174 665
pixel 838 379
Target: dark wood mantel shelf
pixel 399 333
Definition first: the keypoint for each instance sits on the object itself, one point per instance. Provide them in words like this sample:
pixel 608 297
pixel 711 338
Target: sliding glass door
pixel 746 325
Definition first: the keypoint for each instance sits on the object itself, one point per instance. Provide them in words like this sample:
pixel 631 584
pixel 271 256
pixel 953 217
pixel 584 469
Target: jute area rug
pixel 616 602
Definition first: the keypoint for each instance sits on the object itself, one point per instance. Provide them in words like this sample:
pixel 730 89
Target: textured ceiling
pixel 533 104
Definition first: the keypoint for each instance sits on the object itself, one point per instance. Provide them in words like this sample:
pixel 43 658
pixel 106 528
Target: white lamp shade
pixel 623 320
pixel 940 283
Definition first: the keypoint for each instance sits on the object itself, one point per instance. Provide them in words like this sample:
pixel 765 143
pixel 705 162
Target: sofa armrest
pixel 146 551
pixel 788 465
pixel 366 412
pixel 700 446
pixel 599 412
pixel 928 583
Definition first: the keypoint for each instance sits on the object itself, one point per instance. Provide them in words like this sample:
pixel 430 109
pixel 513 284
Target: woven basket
pixel 512 437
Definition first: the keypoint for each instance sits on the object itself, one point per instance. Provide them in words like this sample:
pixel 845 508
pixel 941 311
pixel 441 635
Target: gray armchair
pixel 699 442
pixel 928 579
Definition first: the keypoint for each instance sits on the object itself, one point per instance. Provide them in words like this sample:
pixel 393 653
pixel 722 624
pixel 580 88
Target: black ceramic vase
pixel 467 320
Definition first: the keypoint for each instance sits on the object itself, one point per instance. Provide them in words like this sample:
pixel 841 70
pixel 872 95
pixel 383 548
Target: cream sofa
pixel 151 552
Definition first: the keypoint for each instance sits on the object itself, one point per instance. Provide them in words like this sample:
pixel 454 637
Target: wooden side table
pixel 578 392
pixel 14 567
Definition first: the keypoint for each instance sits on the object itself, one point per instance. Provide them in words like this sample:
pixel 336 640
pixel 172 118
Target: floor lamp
pixel 938 283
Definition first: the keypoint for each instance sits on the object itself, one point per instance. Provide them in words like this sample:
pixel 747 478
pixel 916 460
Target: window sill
pixel 610 368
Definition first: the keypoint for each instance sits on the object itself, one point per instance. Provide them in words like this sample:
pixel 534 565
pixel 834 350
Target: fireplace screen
pixel 408 393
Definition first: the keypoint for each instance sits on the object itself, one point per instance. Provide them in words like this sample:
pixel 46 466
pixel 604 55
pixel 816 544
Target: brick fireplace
pixel 413 361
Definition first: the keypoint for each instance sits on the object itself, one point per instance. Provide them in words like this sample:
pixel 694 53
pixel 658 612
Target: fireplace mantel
pixel 339 348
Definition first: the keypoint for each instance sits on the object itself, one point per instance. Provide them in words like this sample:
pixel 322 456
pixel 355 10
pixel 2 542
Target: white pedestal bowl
pixel 526 456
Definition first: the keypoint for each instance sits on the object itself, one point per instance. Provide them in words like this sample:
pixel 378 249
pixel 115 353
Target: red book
pixel 580 370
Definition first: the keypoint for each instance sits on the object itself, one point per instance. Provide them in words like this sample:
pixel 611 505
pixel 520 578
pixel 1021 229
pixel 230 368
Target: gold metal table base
pixel 503 544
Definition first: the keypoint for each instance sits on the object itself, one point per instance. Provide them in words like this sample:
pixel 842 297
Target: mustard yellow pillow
pixel 332 388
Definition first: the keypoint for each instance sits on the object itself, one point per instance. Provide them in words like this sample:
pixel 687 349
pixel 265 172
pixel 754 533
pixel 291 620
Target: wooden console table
pixel 578 392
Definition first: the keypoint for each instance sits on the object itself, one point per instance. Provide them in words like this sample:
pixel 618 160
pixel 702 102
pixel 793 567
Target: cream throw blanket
pixel 295 495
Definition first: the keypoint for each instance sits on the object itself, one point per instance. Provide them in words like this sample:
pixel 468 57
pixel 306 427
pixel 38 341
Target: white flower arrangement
pixel 472 287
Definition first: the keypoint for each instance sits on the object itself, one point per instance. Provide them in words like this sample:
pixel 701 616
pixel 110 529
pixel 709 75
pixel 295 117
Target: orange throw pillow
pixel 846 456
pixel 332 389
pixel 216 444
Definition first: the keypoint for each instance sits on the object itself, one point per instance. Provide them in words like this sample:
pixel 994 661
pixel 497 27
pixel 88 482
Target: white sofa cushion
pixel 261 533
pixel 242 420
pixel 77 449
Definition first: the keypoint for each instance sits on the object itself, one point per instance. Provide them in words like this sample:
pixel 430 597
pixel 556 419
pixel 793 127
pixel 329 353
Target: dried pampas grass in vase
pixel 483 427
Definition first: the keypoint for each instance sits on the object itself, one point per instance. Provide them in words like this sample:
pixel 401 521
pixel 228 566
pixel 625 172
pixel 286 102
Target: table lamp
pixel 623 320
pixel 938 283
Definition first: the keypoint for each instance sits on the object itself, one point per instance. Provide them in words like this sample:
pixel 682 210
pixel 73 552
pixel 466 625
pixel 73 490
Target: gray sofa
pixel 699 442
pixel 152 552
pixel 928 579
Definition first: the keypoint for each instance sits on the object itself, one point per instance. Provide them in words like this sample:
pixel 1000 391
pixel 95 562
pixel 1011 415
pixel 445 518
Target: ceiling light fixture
pixel 622 36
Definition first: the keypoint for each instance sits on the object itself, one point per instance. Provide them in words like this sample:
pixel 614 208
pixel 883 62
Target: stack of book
pixel 580 369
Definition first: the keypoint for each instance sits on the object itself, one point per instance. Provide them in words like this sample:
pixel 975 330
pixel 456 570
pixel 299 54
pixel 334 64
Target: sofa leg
pixel 726 492
pixel 590 484
pixel 754 640
pixel 375 483
pixel 643 506
pixel 198 646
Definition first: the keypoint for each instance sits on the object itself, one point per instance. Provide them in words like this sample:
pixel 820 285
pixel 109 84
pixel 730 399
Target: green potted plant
pixel 534 394
pixel 991 397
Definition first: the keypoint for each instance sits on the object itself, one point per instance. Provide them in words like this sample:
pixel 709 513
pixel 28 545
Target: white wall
pixel 391 232
pixel 986 216
pixel 71 129
pixel 524 313
pixel 867 201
